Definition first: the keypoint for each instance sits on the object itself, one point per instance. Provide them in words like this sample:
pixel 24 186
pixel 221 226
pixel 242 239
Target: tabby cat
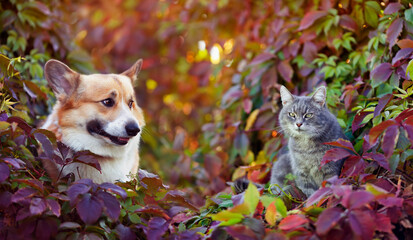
pixel 308 124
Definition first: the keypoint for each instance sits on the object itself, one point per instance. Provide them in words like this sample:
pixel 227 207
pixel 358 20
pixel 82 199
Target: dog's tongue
pixel 123 139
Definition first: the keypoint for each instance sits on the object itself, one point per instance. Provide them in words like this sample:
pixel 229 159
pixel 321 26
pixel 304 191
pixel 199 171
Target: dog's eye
pixel 291 114
pixel 308 115
pixel 130 104
pixel 108 102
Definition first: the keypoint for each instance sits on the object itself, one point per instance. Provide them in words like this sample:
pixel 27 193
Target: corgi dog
pixel 99 113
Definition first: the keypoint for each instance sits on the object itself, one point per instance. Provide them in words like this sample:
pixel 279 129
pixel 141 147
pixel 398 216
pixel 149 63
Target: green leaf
pixel 408 14
pixel 281 208
pixel 409 70
pixel 252 197
pixel 371 16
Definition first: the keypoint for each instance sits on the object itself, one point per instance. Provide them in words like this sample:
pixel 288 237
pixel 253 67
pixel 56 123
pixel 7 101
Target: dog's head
pixel 96 112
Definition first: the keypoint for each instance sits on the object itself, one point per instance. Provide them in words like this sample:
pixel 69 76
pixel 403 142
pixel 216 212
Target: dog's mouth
pixel 94 127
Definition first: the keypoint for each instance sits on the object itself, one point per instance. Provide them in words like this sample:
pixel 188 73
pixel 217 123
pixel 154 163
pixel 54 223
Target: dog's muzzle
pixel 132 129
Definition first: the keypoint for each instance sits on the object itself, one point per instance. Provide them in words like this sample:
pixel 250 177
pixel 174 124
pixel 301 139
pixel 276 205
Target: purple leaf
pixel 4 172
pixel 402 54
pixel 53 206
pixel 46 228
pixel 247 105
pixel 111 205
pixel 16 163
pixel 37 206
pixel 392 8
pixel 156 228
pixel 383 223
pixel 87 158
pixel 318 195
pixel 348 23
pixel 125 233
pixel 362 224
pixel 21 123
pixel 309 18
pixel 309 51
pixel 212 165
pixel 381 73
pixel 22 194
pixel 358 199
pixel 89 208
pixel 75 190
pixel 112 188
pixel 285 70
pixel 334 155
pixel 391 202
pixel 389 140
pixel 353 166
pixel 383 101
pixel 263 57
pixel 3 117
pixel 379 158
pixel 241 143
pixel 394 31
pixel 327 220
pixel 46 144
pixel 5 199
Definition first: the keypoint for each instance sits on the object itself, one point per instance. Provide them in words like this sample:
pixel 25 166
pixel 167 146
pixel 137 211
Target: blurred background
pixel 211 73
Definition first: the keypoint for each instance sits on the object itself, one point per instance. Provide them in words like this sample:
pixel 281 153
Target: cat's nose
pixel 299 124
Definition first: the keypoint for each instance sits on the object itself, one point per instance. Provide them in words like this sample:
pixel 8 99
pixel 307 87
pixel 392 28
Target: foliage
pixel 213 117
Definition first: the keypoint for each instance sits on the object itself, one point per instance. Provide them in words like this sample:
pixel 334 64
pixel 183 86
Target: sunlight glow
pixel 228 46
pixel 201 45
pixel 215 54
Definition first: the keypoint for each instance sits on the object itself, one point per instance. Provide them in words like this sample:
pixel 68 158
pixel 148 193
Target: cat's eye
pixel 108 102
pixel 130 104
pixel 291 114
pixel 308 115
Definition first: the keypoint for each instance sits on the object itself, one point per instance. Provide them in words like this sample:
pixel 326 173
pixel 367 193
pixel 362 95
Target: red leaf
pixel 394 31
pixel 379 158
pixel 262 58
pixel 343 144
pixel 327 220
pixel 408 126
pixel 376 131
pixel 362 224
pixel 403 115
pixel 291 222
pixel 309 18
pixel 381 73
pixel 353 166
pixel 285 70
pixel 21 123
pixel 389 140
pixel 392 8
pixel 348 23
pixel 383 223
pixel 383 101
pixel 334 154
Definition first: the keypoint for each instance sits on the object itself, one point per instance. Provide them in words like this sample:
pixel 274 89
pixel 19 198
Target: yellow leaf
pixel 261 158
pixel 271 214
pixel 251 119
pixel 226 215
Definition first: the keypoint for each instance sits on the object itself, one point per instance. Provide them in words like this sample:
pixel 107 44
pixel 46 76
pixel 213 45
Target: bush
pixel 213 120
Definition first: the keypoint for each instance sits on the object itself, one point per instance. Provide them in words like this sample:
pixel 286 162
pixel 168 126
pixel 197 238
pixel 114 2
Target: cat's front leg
pixel 306 184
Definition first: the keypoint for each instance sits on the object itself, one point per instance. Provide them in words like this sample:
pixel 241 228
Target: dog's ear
pixel 133 71
pixel 61 78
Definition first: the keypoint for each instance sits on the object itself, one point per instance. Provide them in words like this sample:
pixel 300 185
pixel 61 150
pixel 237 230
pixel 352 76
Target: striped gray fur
pixel 308 124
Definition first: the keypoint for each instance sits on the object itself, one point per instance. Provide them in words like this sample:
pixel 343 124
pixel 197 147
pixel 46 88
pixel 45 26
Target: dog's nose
pixel 132 129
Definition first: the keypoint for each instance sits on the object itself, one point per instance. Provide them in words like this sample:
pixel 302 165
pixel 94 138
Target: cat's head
pixel 304 116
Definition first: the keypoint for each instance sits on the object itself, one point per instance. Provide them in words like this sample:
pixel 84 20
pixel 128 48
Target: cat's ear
pixel 286 96
pixel 319 96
